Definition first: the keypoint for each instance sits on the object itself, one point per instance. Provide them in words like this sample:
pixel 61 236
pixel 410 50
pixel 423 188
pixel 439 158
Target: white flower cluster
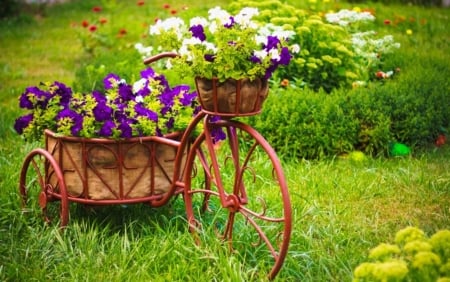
pixel 345 17
pixel 145 51
pixel 219 17
pixel 367 46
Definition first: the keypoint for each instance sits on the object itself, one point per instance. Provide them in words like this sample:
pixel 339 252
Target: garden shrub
pixel 332 55
pixel 408 2
pixel 314 124
pixel 306 124
pixel 9 8
pixel 413 257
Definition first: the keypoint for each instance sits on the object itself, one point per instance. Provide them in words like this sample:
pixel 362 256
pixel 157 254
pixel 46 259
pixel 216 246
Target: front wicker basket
pixel 232 97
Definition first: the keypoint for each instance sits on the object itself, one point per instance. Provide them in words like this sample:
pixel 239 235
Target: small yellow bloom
pixel 357 9
pixel 409 32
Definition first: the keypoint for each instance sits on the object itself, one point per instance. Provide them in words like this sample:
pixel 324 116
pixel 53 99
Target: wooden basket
pixel 106 169
pixel 232 97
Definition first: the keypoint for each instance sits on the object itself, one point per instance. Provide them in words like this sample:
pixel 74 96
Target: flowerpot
pixel 232 97
pixel 107 169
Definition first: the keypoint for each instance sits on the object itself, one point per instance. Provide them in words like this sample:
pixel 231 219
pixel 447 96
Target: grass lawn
pixel 342 207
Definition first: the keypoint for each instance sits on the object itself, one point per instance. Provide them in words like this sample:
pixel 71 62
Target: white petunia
pixel 220 15
pixel 260 54
pixel 295 48
pixel 139 85
pixel 274 54
pixel 198 21
pixel 139 99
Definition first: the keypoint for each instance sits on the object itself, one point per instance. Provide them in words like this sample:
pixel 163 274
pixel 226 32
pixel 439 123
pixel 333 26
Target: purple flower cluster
pixel 148 107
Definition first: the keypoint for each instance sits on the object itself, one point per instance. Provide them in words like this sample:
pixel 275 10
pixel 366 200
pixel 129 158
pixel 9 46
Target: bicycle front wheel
pixel 237 187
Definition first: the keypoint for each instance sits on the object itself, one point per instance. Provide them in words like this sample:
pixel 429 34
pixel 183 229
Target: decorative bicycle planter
pixel 238 186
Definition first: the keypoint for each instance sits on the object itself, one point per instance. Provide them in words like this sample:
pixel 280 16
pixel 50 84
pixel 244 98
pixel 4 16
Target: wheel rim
pixel 42 187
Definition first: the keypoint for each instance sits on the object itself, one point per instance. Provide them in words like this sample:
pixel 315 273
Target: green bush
pixel 9 8
pixel 326 60
pixel 408 2
pixel 332 55
pixel 306 124
pixel 311 124
pixel 413 257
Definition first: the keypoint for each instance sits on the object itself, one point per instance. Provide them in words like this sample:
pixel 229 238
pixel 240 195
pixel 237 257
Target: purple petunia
pixel 142 111
pixel 231 24
pixel 170 123
pixel 162 81
pixel 111 80
pixel 166 98
pixel 98 96
pixel 64 92
pixel 42 97
pixel 209 57
pixel 22 122
pixel 107 129
pixel 272 43
pixel 270 70
pixel 125 128
pixel 102 112
pixel 77 120
pixel 148 73
pixel 285 56
pixel 188 98
pixel 198 32
pixel 126 93
pixel 255 59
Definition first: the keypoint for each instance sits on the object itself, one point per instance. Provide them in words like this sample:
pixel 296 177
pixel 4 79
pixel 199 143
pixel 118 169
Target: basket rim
pixel 105 140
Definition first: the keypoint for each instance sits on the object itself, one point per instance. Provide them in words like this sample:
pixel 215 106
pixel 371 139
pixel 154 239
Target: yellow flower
pixel 357 9
pixel 409 31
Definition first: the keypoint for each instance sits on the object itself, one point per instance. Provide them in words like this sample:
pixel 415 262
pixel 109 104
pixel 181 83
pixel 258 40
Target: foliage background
pixel 342 206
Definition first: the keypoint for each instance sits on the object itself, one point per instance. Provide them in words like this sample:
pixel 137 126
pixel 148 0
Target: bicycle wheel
pixel 238 187
pixel 41 182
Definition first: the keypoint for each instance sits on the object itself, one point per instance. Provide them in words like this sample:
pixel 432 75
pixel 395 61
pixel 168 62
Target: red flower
pixel 440 140
pixel 166 6
pixel 92 28
pixel 97 9
pixel 85 23
pixel 284 83
pixel 173 12
pixel 122 32
pixel 140 3
pixel 103 20
pixel 387 22
pixel 380 74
